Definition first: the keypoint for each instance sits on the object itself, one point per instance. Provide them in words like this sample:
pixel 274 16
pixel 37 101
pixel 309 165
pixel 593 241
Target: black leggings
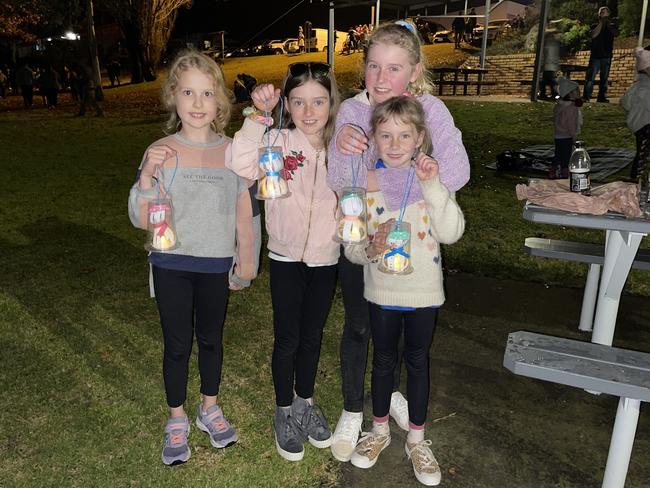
pixel 301 297
pixel 189 301
pixel 356 336
pixel 386 326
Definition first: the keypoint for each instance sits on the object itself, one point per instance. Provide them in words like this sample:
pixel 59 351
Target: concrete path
pixel 493 429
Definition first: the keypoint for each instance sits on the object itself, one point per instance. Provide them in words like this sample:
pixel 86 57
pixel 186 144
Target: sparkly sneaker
pixel 312 422
pixel 176 449
pixel 346 435
pixel 367 452
pixel 221 432
pixel 425 466
pixel 399 410
pixel 288 436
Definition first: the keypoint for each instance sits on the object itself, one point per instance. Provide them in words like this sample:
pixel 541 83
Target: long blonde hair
pixel 188 59
pixel 407 110
pixel 406 37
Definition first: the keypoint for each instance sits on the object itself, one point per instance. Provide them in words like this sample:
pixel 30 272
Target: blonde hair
pixel 408 39
pixel 327 81
pixel 407 110
pixel 185 60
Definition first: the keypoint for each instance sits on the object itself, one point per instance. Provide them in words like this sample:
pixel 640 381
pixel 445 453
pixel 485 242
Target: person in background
pixel 301 40
pixel 50 84
pixel 636 101
pixel 470 25
pixel 600 58
pixel 458 28
pixel 567 118
pixel 551 66
pixel 25 80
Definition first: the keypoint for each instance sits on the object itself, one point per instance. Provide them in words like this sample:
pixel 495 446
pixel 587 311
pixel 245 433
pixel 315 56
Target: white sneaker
pixel 399 410
pixel 346 435
pixel 425 466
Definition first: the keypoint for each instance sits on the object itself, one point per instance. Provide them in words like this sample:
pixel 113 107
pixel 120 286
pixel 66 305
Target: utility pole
pixel 92 52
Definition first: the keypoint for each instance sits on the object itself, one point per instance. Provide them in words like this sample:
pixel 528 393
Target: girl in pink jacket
pixel 303 254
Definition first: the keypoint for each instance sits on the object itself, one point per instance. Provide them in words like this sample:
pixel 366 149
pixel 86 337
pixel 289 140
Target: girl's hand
pixel 425 167
pixel 351 140
pixel 155 157
pixel 378 245
pixel 265 97
pixel 234 286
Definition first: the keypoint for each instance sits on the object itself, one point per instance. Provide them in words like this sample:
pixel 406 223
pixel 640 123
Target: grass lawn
pixel 80 340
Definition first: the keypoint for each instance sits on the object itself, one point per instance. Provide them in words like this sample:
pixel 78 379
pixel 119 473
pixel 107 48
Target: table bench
pixel 593 367
pixel 465 82
pixel 582 252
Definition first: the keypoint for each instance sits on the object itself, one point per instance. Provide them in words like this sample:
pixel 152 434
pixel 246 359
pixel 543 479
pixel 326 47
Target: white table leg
pixel 620 250
pixel 620 447
pixel 589 298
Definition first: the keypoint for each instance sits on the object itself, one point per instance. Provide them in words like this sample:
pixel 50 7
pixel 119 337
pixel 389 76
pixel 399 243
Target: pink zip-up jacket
pixel 302 226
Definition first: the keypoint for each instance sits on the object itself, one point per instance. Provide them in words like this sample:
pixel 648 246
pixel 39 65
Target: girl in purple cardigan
pixel 394 65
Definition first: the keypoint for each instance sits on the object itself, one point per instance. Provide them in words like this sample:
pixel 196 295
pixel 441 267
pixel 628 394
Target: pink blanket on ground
pixel 611 197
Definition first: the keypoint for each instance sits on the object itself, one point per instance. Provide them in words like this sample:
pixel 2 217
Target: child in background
pixel 636 101
pixel 218 230
pixel 394 64
pixel 405 304
pixel 302 252
pixel 567 119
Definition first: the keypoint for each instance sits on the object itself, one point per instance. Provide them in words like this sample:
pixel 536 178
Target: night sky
pixel 244 19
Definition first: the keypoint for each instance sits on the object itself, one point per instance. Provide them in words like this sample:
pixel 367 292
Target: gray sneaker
pixel 288 436
pixel 312 422
pixel 221 432
pixel 176 450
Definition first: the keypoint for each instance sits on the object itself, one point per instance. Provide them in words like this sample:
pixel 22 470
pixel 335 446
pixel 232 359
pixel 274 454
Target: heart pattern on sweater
pixel 436 259
pixel 425 219
pixel 371 202
pixel 421 235
pixel 380 210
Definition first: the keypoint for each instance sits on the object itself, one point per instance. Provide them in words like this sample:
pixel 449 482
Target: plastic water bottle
pixel 579 168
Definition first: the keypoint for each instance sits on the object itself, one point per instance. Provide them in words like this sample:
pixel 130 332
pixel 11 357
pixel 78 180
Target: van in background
pixel 319 40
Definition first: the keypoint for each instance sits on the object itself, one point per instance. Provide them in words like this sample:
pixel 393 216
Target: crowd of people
pixel 395 141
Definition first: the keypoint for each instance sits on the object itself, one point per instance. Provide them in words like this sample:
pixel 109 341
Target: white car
pixel 283 47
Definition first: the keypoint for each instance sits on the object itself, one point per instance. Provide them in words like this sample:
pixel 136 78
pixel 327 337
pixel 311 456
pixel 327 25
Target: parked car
pixel 239 52
pixel 285 46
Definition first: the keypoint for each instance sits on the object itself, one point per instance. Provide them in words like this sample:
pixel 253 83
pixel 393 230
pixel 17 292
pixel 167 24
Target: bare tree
pixel 146 25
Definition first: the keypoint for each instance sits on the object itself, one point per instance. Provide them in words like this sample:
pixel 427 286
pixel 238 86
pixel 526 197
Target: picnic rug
pixel 605 161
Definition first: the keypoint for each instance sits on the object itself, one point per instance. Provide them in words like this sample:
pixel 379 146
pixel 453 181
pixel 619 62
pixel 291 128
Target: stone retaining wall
pixel 510 71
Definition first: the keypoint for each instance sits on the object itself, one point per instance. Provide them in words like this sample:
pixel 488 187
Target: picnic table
pixel 622 238
pixel 567 69
pixel 464 77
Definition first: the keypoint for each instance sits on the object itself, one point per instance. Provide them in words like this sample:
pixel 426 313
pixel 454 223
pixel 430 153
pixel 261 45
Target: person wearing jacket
pixel 636 102
pixel 302 252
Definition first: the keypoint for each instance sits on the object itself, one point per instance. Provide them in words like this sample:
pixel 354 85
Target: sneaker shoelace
pixel 216 420
pixel 292 429
pixel 314 416
pixel 176 435
pixel 423 457
pixel 370 441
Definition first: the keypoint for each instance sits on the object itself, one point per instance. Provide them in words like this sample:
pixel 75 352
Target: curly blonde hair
pixel 407 110
pixel 188 59
pixel 398 34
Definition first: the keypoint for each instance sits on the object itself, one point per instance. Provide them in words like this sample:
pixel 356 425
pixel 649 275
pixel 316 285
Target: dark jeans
pixel 301 297
pixel 548 79
pixel 51 98
pixel 418 327
pixel 563 150
pixel 597 65
pixel 356 336
pixel 27 91
pixel 642 150
pixel 189 301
